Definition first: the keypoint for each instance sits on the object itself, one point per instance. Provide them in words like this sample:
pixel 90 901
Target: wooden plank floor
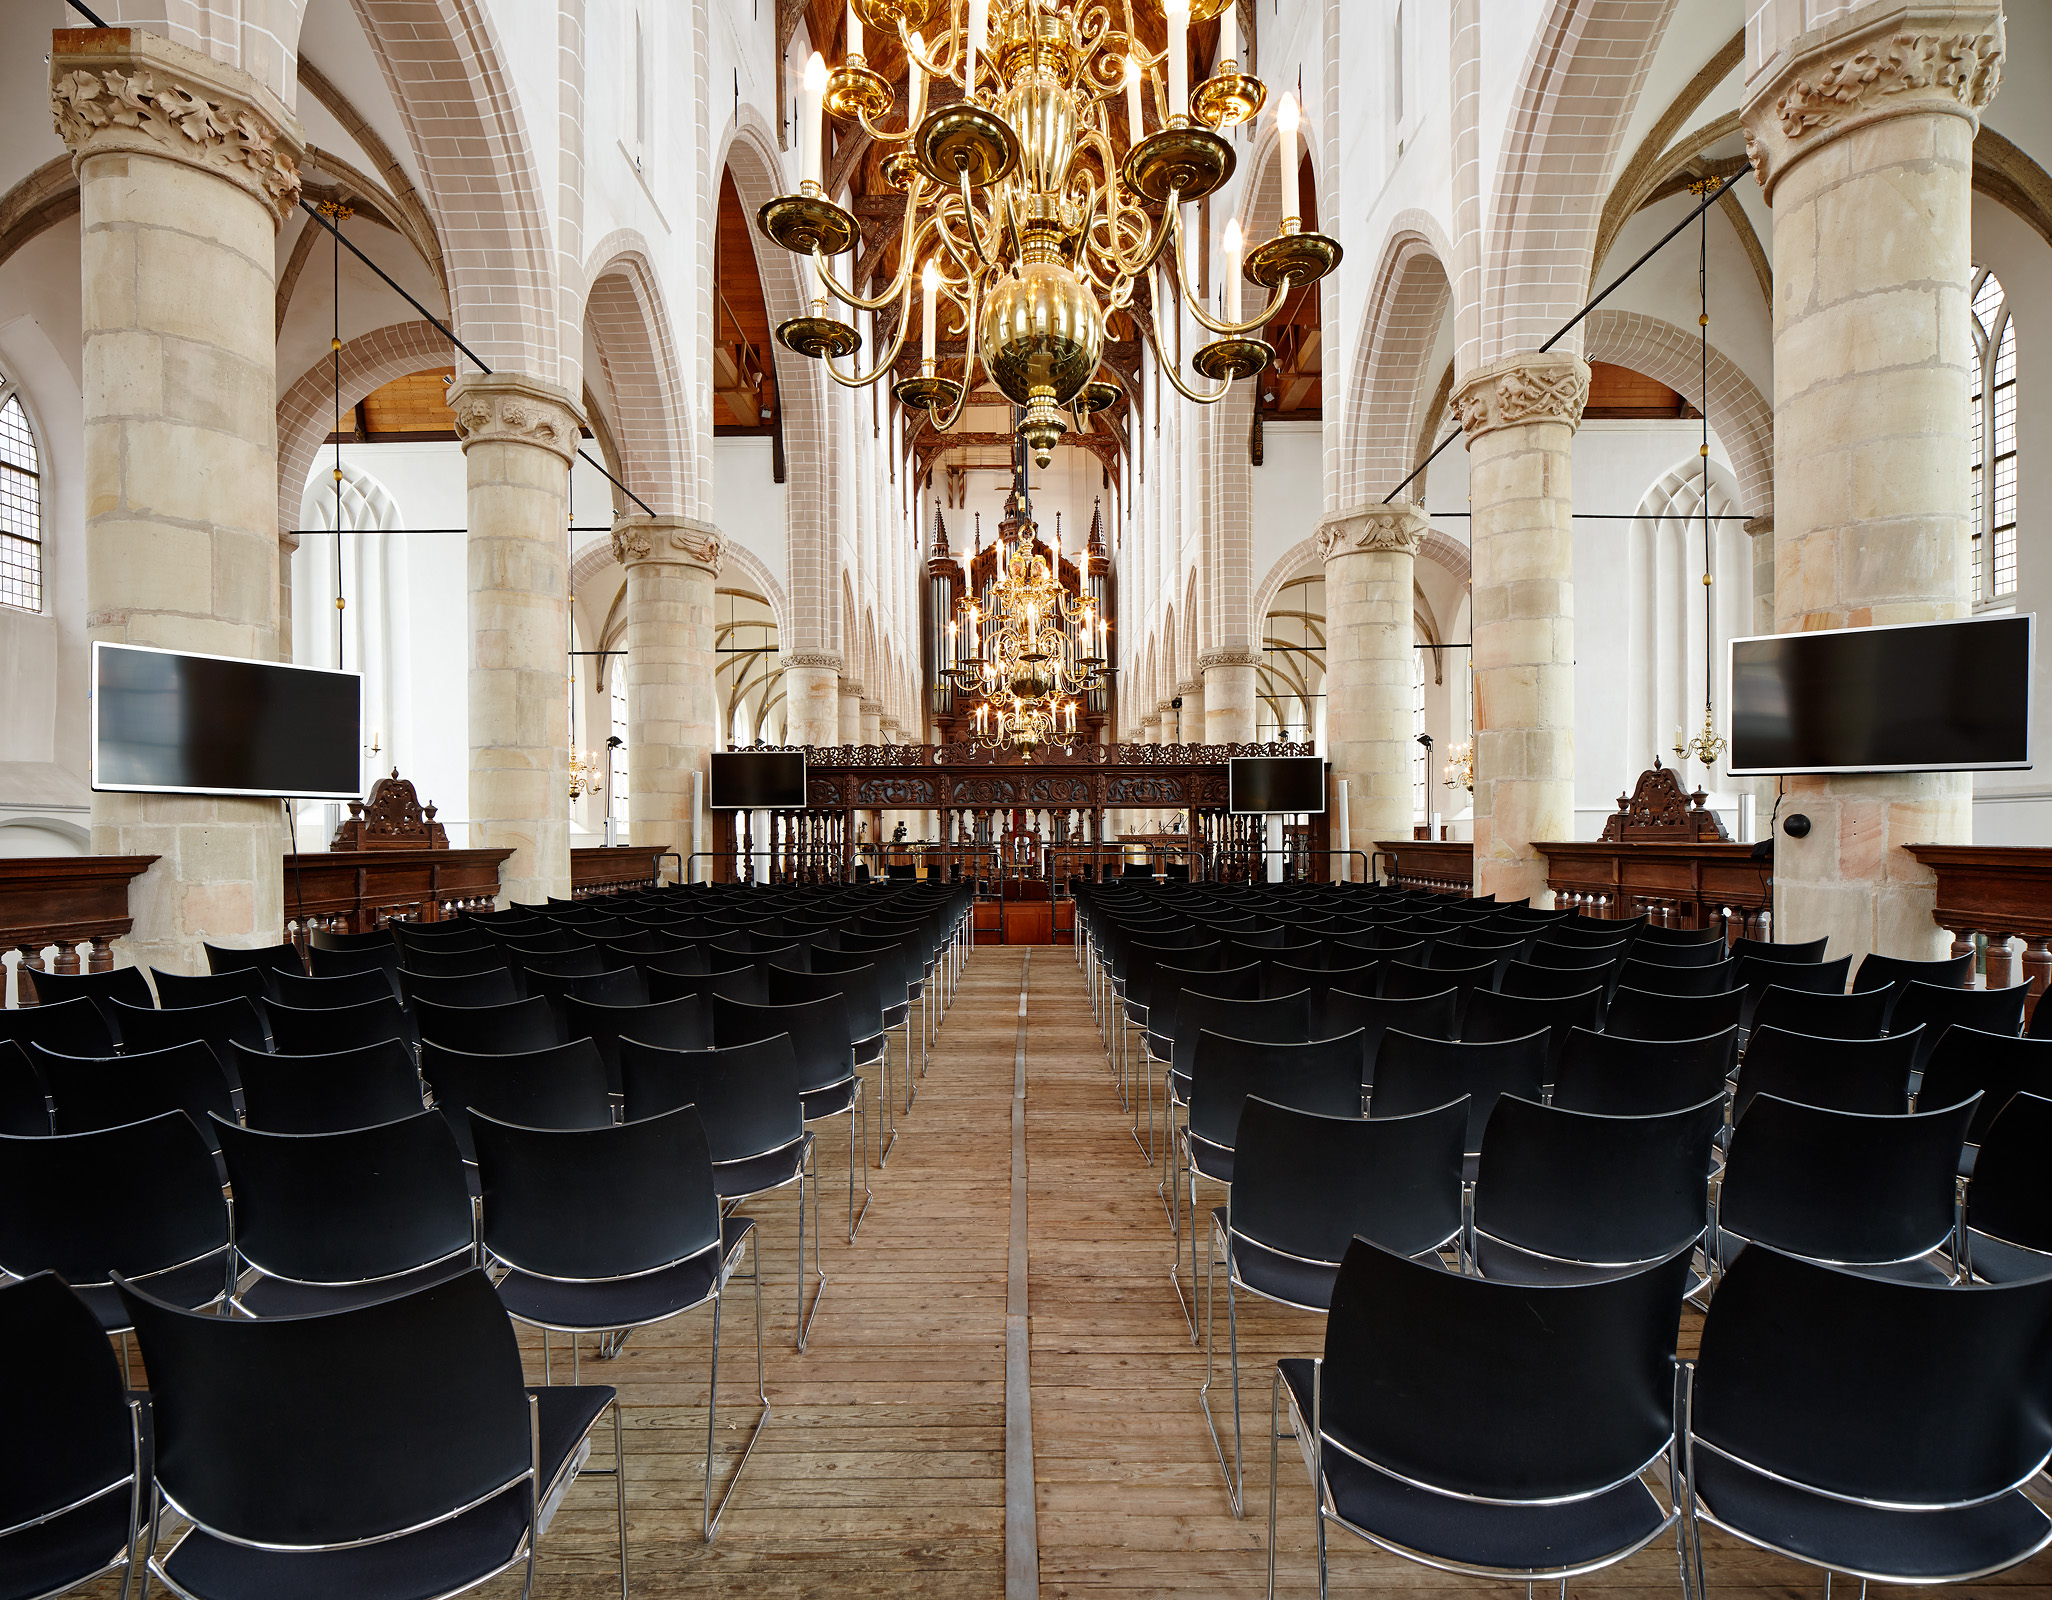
pixel 882 1470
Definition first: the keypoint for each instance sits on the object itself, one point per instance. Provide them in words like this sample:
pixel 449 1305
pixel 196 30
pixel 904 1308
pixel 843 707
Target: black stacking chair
pixel 328 994
pixel 143 1199
pixel 1170 984
pixel 2008 1232
pixel 1865 1075
pixel 1697 953
pixel 236 1021
pixel 1804 950
pixel 1640 1014
pixel 72 1488
pixel 496 986
pixel 1652 936
pixel 1936 1010
pixel 1614 1075
pixel 325 939
pixel 1824 1016
pixel 429 961
pixel 535 965
pixel 304 1033
pixel 1894 975
pixel 1787 1448
pixel 850 975
pixel 469 934
pixel 663 1248
pixel 2041 1022
pixel 1402 981
pixel 681 1024
pixel 24 1101
pixel 1998 1067
pixel 282 1439
pixel 1575 1197
pixel 1431 1016
pixel 810 1008
pixel 327 1221
pixel 350 963
pixel 126 984
pixel 1281 1019
pixel 1545 953
pixel 1304 1185
pixel 88 1093
pixel 516 1029
pixel 265 958
pixel 749 1099
pixel 1657 979
pixel 555 940
pixel 1844 1187
pixel 900 978
pixel 1318 982
pixel 1756 975
pixel 1494 1429
pixel 1413 1075
pixel 563 1086
pixel 180 990
pixel 70 1027
pixel 1551 983
pixel 737 983
pixel 330 1092
pixel 1491 1018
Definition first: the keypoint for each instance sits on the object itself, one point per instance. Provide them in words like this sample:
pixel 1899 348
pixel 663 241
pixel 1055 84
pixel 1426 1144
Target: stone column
pixel 672 713
pixel 1370 558
pixel 812 698
pixel 1862 135
pixel 519 437
pixel 1166 724
pixel 871 714
pixel 1520 416
pixel 848 718
pixel 185 167
pixel 1229 679
pixel 1150 728
pixel 1192 696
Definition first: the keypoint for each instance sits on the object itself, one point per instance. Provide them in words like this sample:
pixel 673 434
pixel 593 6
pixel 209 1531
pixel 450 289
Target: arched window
pixel 1290 685
pixel 21 507
pixel 1992 418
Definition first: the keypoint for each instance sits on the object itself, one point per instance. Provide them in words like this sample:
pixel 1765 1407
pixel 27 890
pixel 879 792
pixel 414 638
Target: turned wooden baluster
pixel 1962 942
pixel 31 962
pixel 2037 969
pixel 100 959
pixel 2001 963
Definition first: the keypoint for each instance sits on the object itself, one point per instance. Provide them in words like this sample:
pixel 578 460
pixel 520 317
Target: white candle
pixel 979 27
pixel 854 32
pixel 1178 57
pixel 1286 119
pixel 1232 268
pixel 812 118
pixel 915 94
pixel 931 279
pixel 1135 125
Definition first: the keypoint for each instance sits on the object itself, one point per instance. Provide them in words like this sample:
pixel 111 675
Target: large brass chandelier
pixel 1030 653
pixel 1035 205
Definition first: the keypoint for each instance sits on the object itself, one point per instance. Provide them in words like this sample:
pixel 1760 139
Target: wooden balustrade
pixel 2003 895
pixel 361 891
pixel 52 907
pixel 1431 866
pixel 614 869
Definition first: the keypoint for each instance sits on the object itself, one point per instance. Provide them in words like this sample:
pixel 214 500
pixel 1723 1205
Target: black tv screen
pixel 1289 784
pixel 1919 697
pixel 165 722
pixel 758 780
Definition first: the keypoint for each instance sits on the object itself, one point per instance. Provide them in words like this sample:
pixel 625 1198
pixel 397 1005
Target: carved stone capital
pixel 507 408
pixel 888 723
pixel 1760 527
pixel 1894 61
pixel 871 708
pixel 1194 686
pixel 667 541
pixel 1397 528
pixel 128 90
pixel 1232 655
pixel 1536 386
pixel 814 660
pixel 850 689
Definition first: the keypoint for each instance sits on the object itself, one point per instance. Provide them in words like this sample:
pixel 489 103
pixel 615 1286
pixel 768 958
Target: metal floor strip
pixel 1022 1531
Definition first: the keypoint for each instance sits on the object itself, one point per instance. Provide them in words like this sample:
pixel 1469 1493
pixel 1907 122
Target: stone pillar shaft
pixel 185 167
pixel 519 436
pixel 673 715
pixel 849 723
pixel 1862 134
pixel 1370 561
pixel 1229 694
pixel 870 726
pixel 1520 417
pixel 812 698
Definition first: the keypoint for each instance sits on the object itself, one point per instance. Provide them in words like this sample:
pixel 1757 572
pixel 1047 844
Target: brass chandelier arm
pixel 888 361
pixel 1168 369
pixel 1225 330
pixel 899 286
pixel 969 356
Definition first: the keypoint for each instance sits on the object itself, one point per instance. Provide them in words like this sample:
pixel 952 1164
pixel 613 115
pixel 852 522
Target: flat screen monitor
pixel 1289 784
pixel 167 722
pixel 758 780
pixel 1915 697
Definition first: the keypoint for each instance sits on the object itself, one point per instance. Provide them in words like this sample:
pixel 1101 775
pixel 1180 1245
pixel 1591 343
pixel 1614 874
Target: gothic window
pixel 21 507
pixel 1290 685
pixel 1992 421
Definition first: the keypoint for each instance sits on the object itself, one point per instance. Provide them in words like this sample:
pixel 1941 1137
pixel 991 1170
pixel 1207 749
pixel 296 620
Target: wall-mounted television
pixel 757 780
pixel 1292 785
pixel 1913 697
pixel 169 722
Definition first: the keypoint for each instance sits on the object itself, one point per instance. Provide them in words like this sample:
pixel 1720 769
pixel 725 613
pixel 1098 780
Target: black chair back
pixel 265 958
pixel 2011 1196
pixel 1937 1010
pixel 1551 983
pixel 382 958
pixel 24 1101
pixel 1756 975
pixel 1614 1075
pixel 224 1022
pixel 379 939
pixel 747 1095
pixel 434 962
pixel 563 1086
pixel 326 994
pixel 1803 950
pixel 517 1029
pixel 1697 953
pixel 1493 1017
pixel 179 989
pixel 299 1032
pixel 93 1092
pixel 1431 1016
pixel 70 1027
pixel 1826 1016
pixel 1657 979
pixel 1413 1074
pixel 1995 1066
pixel 1895 974
pixel 496 986
pixel 821 1035
pixel 1865 1075
pixel 1284 1019
pixel 329 1092
pixel 126 984
pixel 1170 983
pixel 1322 1077
pixel 1641 1014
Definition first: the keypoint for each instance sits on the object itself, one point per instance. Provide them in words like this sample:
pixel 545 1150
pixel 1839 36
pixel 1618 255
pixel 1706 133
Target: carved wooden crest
pixel 1658 812
pixel 391 819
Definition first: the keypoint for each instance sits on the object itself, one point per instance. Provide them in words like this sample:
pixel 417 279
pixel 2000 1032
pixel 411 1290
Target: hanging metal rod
pixel 1622 516
pixel 1573 322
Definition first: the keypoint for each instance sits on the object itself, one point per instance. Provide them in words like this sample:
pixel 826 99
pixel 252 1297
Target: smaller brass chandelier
pixel 1706 747
pixel 1460 766
pixel 1028 657
pixel 586 774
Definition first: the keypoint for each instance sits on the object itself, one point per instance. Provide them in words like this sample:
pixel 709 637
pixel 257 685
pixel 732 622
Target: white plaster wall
pixel 749 507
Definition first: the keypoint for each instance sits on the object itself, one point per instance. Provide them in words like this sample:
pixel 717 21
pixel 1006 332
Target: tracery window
pixel 1992 419
pixel 21 507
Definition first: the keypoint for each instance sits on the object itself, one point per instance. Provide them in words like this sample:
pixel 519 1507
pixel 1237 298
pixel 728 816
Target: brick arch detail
pixel 306 414
pixel 637 343
pixel 1407 302
pixel 1578 87
pixel 259 37
pixel 1738 412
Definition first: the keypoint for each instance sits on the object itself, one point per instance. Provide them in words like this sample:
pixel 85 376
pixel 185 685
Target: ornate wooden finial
pixel 1658 812
pixel 392 818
